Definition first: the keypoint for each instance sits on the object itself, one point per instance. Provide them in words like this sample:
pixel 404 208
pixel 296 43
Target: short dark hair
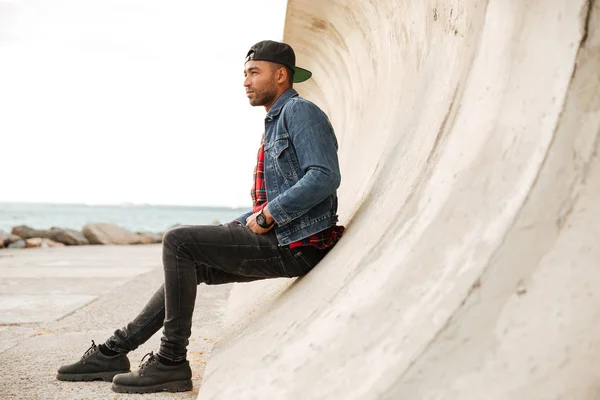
pixel 290 72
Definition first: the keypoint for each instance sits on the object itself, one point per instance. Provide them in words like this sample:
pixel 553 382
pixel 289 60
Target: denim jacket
pixel 301 168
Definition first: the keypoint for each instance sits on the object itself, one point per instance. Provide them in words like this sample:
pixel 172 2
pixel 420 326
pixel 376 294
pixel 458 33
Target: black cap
pixel 278 52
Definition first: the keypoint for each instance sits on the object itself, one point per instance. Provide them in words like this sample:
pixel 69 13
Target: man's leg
pixel 138 331
pixel 213 255
pixel 110 358
pixel 152 316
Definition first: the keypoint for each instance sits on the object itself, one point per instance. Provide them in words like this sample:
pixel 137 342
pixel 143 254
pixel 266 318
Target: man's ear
pixel 281 75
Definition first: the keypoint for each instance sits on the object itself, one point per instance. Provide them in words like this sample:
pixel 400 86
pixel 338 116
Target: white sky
pixel 112 101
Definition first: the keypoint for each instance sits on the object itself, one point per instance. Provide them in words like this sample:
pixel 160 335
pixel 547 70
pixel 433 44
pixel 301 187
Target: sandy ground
pixel 53 302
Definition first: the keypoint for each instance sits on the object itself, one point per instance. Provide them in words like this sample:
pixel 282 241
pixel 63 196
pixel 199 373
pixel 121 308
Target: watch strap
pixel 265 219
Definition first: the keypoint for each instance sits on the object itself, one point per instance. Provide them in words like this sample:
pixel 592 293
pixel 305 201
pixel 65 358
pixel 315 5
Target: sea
pixel 135 218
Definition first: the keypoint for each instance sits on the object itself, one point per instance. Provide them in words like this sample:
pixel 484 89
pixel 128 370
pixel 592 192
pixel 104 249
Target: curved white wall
pixel 469 136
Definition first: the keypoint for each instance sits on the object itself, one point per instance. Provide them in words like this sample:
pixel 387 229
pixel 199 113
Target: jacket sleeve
pixel 316 147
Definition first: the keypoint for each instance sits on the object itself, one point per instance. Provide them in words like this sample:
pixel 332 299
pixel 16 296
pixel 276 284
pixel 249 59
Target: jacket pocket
pixel 277 147
pixel 279 152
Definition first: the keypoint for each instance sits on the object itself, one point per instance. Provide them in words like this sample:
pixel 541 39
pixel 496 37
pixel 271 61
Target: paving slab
pixel 44 284
pixel 39 308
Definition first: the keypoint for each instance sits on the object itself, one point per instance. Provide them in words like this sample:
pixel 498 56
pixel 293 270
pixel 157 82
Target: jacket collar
pixel 280 102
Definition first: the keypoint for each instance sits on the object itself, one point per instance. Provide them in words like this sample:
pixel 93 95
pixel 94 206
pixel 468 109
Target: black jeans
pixel 212 254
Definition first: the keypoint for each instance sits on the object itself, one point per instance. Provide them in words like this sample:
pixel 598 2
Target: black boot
pixel 154 376
pixel 94 366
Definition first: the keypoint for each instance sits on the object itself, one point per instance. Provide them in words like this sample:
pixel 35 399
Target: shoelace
pixel 151 359
pixel 89 351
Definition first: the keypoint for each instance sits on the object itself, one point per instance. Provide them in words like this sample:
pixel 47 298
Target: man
pixel 290 229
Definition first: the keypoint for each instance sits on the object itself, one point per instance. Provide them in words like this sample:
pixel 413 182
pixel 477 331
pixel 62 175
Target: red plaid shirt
pixel 321 240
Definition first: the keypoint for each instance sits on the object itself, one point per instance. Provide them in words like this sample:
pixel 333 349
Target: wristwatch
pixel 261 220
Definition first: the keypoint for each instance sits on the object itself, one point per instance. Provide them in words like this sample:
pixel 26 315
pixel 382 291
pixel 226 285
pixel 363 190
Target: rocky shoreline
pixel 96 233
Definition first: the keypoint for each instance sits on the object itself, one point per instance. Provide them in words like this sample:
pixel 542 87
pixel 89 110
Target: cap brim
pixel 301 74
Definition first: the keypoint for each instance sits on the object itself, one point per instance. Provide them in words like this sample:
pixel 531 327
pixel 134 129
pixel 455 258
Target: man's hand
pixel 254 227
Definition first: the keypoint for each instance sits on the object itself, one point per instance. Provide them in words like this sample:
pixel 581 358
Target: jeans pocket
pixel 307 257
pixel 263 268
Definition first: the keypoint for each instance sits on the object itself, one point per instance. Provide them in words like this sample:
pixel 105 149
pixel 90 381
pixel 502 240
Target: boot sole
pixel 104 376
pixel 175 386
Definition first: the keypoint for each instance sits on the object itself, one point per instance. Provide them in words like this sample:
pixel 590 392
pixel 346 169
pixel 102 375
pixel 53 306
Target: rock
pixel 19 244
pixel 26 232
pixel 52 243
pixel 10 238
pixel 3 237
pixel 70 237
pixel 145 239
pixel 42 242
pixel 33 242
pixel 61 235
pixel 151 237
pixel 102 233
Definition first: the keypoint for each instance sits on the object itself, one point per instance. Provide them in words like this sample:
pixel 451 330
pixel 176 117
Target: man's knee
pixel 171 237
pixel 177 235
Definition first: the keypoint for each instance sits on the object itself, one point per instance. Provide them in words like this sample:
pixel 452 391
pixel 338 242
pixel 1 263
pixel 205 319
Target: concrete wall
pixel 469 134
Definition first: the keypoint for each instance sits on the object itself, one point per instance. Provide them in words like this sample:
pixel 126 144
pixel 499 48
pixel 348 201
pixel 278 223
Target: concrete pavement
pixel 53 302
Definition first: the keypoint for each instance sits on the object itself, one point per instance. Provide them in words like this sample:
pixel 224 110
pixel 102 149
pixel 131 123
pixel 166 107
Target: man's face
pixel 260 84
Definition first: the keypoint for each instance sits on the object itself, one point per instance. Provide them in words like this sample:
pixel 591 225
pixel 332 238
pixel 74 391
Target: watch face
pixel 261 220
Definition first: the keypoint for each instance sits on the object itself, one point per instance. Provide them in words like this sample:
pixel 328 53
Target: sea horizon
pixel 125 203
pixel 135 217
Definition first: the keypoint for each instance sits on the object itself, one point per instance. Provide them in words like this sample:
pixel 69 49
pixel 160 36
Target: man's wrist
pixel 268 216
pixel 261 220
